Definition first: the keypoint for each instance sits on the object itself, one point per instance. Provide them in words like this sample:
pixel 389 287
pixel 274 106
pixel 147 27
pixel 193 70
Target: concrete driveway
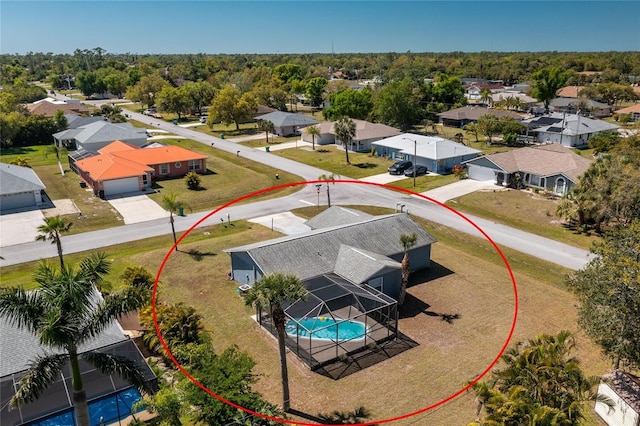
pixel 136 208
pixel 19 228
pixel 460 188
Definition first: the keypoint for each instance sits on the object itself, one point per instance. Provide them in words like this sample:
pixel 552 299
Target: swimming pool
pixel 326 328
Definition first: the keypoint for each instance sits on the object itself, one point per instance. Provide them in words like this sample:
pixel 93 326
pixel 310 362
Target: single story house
pixel 569 91
pixel 572 106
pixel 624 390
pixel 554 168
pixel 75 121
pixel 48 107
pixel 566 129
pixel 437 154
pixel 55 405
pixel 460 117
pixel 121 168
pixel 367 251
pixel 287 123
pixel 99 134
pixel 366 134
pixel 20 188
pixel 633 111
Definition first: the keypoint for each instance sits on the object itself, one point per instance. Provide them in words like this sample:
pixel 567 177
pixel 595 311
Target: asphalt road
pixel 341 193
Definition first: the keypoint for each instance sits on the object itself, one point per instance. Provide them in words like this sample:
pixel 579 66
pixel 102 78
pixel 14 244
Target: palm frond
pixel 95 268
pixel 43 371
pixel 124 367
pixel 22 309
pixel 115 304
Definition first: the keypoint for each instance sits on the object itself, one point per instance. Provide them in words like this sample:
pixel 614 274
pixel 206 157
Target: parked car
pixel 399 167
pixel 155 115
pixel 420 171
pixel 203 119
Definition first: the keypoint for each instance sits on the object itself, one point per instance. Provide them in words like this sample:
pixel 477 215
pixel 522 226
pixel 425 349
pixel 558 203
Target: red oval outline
pixel 312 182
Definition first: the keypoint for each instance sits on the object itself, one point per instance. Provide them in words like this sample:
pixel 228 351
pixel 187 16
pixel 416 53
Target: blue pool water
pixel 326 328
pixel 102 411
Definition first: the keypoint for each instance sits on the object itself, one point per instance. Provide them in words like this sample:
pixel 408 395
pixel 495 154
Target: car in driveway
pixel 399 167
pixel 420 171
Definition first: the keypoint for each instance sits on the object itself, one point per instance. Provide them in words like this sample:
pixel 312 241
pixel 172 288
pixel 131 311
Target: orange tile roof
pixel 108 167
pixel 117 146
pixel 160 155
pixel 120 160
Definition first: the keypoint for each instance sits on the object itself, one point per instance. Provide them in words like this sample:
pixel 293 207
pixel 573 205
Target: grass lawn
pixel 467 279
pixel 330 158
pixel 229 177
pixel 523 210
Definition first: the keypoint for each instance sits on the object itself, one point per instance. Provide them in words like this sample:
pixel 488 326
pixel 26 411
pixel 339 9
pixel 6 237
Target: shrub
pixel 192 179
pixel 460 171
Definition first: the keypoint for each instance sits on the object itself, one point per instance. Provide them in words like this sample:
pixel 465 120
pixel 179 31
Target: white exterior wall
pixel 621 414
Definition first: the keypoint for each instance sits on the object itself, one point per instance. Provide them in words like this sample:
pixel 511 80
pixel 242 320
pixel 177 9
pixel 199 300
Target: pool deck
pixel 318 352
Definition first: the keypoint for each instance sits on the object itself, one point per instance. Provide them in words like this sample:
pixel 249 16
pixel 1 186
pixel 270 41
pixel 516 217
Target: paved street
pixel 341 193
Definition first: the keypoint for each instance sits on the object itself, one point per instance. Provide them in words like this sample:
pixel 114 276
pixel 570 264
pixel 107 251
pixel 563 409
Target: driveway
pixel 460 188
pixel 136 208
pixel 19 228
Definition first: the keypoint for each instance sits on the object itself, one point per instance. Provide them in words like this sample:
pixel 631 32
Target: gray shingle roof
pixel 315 252
pixel 358 265
pixel 337 215
pixel 15 179
pixel 570 124
pixel 475 112
pixel 284 119
pixel 19 346
pixel 102 131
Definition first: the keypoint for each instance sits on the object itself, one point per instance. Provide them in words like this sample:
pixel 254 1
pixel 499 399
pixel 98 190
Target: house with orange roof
pixel 120 167
pixel 633 110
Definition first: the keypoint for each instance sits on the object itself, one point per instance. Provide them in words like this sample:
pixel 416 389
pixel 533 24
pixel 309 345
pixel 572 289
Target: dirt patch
pixel 60 208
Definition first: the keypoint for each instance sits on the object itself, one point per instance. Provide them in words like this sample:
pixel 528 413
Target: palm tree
pixel 171 204
pixel 270 292
pixel 52 230
pixel 486 96
pixel 329 177
pixel 313 131
pixel 472 128
pixel 407 241
pixel 266 126
pixel 65 312
pixel 345 130
pixel 540 382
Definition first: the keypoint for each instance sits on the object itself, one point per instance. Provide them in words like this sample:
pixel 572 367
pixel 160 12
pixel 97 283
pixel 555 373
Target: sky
pixel 238 26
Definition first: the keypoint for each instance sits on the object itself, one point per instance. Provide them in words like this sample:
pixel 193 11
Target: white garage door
pixel 121 186
pixel 480 173
pixel 16 201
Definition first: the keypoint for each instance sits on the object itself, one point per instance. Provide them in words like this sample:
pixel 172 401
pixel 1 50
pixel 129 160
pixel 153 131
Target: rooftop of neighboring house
pixel 101 131
pixel 569 91
pixel 15 179
pixel 49 108
pixel 543 160
pixel 568 124
pixel 432 147
pixel 285 119
pixel 473 113
pixel 629 110
pixel 364 129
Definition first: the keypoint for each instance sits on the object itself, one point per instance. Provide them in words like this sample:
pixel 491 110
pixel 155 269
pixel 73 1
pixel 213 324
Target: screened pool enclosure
pixel 337 318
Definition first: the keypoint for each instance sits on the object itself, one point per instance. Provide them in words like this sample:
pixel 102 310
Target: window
pixel 145 181
pixel 164 169
pixel 194 164
pixel 178 165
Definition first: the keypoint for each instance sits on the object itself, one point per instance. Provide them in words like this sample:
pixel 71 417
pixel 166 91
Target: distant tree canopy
pixel 350 103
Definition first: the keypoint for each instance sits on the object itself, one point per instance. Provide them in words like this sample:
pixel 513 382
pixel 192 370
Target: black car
pixel 420 170
pixel 399 167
